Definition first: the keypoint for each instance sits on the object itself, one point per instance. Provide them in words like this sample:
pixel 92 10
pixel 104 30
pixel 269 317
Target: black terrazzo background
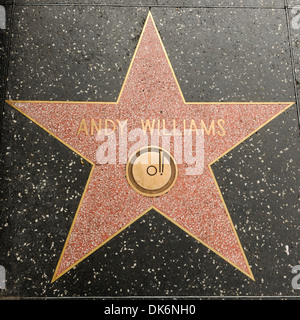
pixel 72 52
pixel 4 52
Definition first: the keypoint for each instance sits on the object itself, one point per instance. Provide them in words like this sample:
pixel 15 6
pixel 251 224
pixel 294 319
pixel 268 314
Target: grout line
pixel 147 5
pixel 292 61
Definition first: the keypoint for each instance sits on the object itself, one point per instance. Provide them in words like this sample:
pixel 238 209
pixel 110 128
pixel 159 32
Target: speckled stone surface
pixel 96 2
pixel 293 3
pixel 173 3
pixel 240 61
pixel 150 91
pixel 4 52
pixel 225 3
pixel 294 16
pixel 43 180
pixel 268 199
pixel 6 2
pixel 82 43
pixel 244 57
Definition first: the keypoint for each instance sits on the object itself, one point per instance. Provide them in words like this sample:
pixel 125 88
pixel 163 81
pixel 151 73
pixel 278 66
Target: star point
pixel 109 204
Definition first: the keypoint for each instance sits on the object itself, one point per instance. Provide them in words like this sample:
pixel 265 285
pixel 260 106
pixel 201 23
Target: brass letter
pixel 211 127
pixel 223 132
pixel 174 129
pixel 147 125
pixel 193 124
pixel 106 126
pixel 122 124
pixel 164 129
pixel 94 126
pixel 82 127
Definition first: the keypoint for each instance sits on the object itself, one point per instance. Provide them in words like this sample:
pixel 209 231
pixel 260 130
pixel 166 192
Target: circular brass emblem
pixel 151 171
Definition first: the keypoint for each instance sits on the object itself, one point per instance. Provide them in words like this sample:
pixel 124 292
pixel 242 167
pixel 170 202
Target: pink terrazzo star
pixel 109 204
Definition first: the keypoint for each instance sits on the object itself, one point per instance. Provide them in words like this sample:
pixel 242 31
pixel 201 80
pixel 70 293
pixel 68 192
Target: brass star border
pixel 15 104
